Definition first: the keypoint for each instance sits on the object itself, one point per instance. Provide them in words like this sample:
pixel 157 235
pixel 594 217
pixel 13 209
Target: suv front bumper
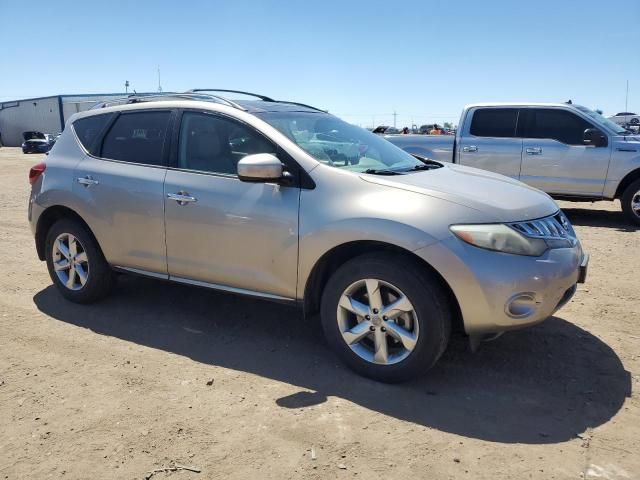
pixel 498 291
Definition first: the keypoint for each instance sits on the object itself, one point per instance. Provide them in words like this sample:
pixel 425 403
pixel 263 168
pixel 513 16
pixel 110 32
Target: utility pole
pixel 159 86
pixel 126 86
pixel 395 115
pixel 626 99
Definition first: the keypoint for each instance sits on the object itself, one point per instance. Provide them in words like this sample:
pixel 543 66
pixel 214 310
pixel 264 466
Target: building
pixel 43 114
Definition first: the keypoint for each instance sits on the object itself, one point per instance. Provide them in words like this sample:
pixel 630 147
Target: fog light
pixel 521 305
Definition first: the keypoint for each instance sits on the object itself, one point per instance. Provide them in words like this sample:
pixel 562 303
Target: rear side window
pixel 137 138
pixel 89 129
pixel 494 122
pixel 560 125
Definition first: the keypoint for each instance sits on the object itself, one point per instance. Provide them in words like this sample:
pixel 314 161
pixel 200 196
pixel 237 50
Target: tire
pixel 631 202
pixel 634 121
pixel 98 276
pixel 427 327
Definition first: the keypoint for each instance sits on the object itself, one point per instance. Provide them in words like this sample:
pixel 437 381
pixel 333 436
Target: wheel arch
pixel 334 258
pixel 631 177
pixel 49 217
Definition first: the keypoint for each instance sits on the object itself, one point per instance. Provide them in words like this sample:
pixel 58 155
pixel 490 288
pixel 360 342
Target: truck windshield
pixel 339 144
pixel 595 116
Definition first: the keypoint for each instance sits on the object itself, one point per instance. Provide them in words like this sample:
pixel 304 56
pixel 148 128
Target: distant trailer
pixel 44 114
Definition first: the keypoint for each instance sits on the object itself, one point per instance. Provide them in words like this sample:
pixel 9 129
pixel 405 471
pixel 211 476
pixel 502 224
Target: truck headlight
pixel 500 238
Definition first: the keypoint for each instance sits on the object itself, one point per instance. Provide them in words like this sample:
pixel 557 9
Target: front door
pixel 221 231
pixel 555 158
pixel 490 141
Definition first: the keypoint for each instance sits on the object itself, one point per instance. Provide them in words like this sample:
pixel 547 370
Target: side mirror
pixel 595 138
pixel 261 167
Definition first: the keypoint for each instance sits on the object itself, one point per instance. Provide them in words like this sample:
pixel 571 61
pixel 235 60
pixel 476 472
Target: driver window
pixel 215 144
pixel 555 124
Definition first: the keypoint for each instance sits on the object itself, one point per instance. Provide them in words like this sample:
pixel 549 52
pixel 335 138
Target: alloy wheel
pixel 377 321
pixel 70 261
pixel 635 203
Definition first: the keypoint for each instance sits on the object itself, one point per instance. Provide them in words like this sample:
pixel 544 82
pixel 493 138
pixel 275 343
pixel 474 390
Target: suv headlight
pixel 500 238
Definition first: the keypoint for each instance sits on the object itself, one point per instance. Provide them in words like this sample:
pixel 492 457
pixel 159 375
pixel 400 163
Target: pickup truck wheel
pixel 631 202
pixel 385 317
pixel 76 264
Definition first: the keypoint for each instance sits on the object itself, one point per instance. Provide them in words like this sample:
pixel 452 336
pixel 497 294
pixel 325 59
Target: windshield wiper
pixel 375 171
pixel 426 166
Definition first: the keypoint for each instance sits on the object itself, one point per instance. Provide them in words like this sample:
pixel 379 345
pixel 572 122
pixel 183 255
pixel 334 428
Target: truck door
pixel 555 158
pixel 489 141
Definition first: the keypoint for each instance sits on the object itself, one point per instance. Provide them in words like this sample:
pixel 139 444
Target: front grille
pixel 555 226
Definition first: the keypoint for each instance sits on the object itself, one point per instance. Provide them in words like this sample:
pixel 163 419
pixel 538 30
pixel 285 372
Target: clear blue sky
pixel 360 59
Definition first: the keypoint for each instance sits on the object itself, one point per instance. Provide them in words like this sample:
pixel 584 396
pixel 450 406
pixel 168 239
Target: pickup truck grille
pixel 555 226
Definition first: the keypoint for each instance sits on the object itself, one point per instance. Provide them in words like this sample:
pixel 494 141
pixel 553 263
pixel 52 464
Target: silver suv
pixel 283 201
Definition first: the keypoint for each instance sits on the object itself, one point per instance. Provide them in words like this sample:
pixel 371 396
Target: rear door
pixel 555 158
pixel 119 187
pixel 489 141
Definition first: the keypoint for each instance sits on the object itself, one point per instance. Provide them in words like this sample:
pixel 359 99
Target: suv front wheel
pixel 76 264
pixel 385 317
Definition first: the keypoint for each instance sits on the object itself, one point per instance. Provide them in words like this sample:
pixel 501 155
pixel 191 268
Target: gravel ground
pixel 160 375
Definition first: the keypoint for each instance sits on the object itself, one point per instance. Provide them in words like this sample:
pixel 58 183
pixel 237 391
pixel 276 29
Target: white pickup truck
pixel 566 150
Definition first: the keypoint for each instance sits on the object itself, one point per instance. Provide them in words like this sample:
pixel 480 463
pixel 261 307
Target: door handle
pixel 182 198
pixel 87 181
pixel 470 148
pixel 533 150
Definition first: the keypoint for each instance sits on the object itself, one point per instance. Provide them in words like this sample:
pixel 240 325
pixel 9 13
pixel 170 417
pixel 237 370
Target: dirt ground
pixel 161 374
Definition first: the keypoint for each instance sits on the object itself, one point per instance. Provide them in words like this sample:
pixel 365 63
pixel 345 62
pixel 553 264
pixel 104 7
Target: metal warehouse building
pixel 43 114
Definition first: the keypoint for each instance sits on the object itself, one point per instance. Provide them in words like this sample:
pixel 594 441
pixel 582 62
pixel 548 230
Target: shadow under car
pixel 544 384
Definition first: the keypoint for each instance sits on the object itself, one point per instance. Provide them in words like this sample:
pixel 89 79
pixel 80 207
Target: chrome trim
pixel 226 288
pixel 198 283
pixel 181 197
pixel 87 181
pixel 146 273
pixel 555 226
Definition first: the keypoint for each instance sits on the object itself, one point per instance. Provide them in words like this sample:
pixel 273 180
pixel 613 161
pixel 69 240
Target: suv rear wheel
pixel 76 264
pixel 385 317
pixel 631 202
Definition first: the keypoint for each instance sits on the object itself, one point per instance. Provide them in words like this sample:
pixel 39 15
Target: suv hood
pixel 500 197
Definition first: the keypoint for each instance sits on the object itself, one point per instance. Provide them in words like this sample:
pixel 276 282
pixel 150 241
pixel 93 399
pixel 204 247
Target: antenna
pixel 159 86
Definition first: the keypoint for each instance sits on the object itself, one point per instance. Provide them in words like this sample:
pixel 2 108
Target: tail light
pixel 36 171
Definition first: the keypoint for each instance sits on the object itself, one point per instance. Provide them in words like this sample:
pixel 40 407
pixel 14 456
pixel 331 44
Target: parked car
pixel 566 150
pixel 37 142
pixel 386 130
pixel 626 118
pixel 283 201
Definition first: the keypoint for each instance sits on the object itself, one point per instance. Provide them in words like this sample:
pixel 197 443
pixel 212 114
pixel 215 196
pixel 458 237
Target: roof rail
pixel 137 98
pixel 261 97
pixel 302 105
pixel 194 94
pixel 264 98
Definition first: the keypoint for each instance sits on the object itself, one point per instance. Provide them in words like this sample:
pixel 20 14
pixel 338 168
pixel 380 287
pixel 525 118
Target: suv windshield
pixel 602 120
pixel 337 143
